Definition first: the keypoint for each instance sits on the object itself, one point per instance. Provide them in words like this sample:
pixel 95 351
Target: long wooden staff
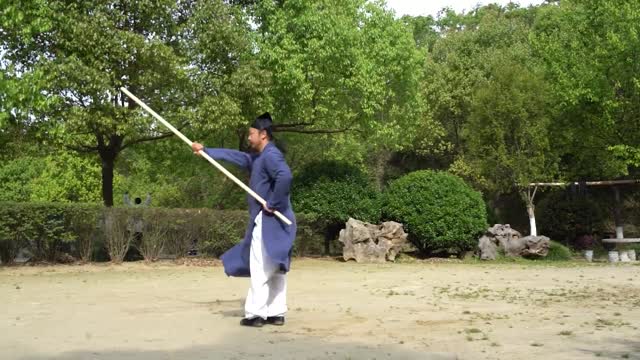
pixel 204 154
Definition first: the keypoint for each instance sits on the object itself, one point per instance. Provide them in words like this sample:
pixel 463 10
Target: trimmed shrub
pixel 39 226
pixel 83 223
pixel 152 238
pixel 183 231
pixel 118 225
pixel 310 238
pixel 331 192
pixel 333 202
pixel 221 230
pixel 11 230
pixel 439 211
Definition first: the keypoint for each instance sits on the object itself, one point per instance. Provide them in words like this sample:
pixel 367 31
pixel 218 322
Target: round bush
pixel 331 192
pixel 333 202
pixel 438 210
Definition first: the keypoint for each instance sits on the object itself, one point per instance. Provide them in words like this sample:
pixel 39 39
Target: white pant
pixel 268 292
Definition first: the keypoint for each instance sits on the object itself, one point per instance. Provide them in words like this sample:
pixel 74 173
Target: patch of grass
pixel 536 344
pixel 565 333
pixel 602 323
pixel 526 263
pixel 558 252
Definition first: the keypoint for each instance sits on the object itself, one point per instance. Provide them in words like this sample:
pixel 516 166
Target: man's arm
pixel 235 157
pixel 126 200
pixel 279 171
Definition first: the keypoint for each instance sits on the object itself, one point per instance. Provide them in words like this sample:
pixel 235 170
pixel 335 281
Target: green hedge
pixel 50 232
pixel 42 228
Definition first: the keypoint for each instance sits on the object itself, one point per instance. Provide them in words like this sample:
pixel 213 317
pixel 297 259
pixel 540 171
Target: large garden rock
pixel 535 246
pixel 501 236
pixel 488 248
pixel 366 242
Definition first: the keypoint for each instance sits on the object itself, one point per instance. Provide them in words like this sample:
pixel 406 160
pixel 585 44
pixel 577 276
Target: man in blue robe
pixel 265 252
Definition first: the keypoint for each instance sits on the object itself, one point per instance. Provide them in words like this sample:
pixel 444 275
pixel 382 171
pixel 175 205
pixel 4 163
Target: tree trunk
pixel 528 197
pixel 108 153
pixel 532 219
pixel 107 180
pixel 381 162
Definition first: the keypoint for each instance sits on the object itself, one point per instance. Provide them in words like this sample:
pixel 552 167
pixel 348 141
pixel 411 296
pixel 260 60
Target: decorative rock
pixel 535 246
pixel 512 242
pixel 632 254
pixel 366 242
pixel 488 248
pixel 497 236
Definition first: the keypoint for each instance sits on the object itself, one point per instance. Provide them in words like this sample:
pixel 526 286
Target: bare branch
pixel 82 148
pixel 293 125
pixel 145 139
pixel 588 183
pixel 318 131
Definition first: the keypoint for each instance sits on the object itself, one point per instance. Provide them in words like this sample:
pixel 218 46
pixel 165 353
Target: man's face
pixel 257 138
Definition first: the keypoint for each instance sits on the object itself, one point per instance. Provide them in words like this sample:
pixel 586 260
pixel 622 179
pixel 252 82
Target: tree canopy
pixel 501 95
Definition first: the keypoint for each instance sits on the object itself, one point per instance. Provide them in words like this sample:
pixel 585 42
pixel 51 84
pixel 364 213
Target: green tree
pixel 341 65
pixel 16 176
pixel 66 178
pixel 590 50
pixel 346 71
pixel 230 84
pixel 508 130
pixel 75 56
pixel 460 60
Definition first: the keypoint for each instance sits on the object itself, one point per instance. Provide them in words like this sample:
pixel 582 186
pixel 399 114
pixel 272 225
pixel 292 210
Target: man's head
pixel 138 201
pixel 260 132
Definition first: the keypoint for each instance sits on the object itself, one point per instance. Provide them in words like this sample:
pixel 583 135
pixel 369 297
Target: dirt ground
pixel 337 311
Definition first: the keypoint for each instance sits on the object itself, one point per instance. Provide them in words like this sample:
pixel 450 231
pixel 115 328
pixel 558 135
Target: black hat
pixel 263 122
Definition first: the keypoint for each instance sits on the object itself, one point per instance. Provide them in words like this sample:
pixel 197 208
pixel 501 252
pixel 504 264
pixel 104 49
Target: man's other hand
pixel 266 208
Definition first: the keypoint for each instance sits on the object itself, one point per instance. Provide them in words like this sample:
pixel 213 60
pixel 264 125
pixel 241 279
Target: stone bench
pixel 622 255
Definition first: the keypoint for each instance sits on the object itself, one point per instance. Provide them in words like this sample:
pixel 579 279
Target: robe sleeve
pixel 235 157
pixel 279 171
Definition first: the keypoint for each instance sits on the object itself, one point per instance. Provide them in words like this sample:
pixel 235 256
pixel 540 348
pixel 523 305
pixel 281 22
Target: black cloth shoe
pixel 255 322
pixel 275 320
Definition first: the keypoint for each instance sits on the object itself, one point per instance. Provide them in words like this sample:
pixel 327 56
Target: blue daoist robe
pixel 271 179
